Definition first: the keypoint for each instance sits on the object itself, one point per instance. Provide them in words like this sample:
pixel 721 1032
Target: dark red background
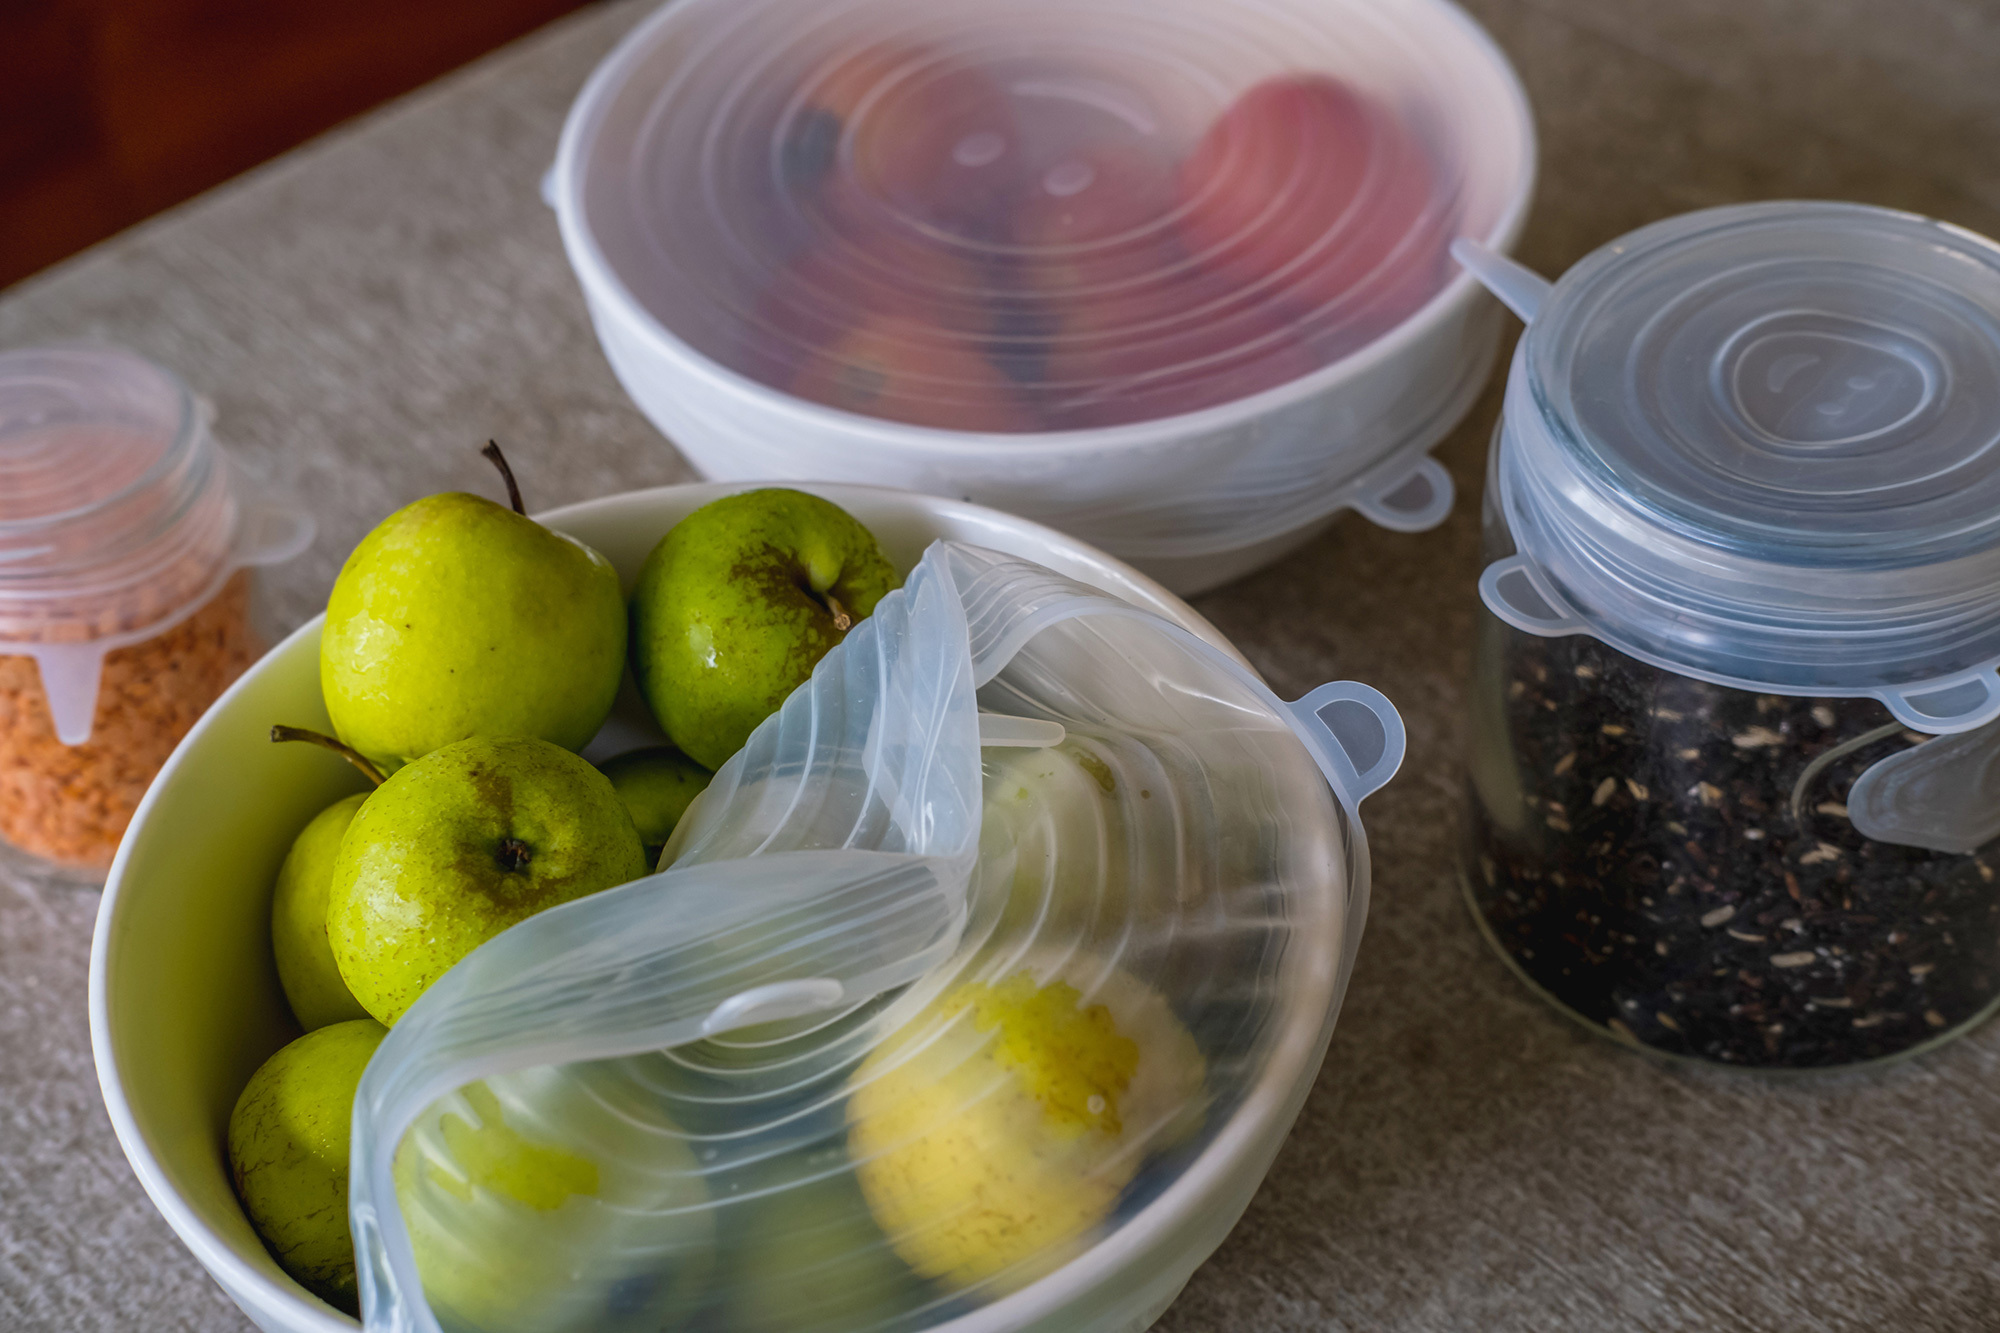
pixel 111 110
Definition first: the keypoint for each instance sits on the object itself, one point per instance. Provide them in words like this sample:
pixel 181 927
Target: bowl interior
pixel 185 1001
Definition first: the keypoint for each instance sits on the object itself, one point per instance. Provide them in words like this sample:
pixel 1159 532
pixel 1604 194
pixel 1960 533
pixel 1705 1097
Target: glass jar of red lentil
pixel 125 558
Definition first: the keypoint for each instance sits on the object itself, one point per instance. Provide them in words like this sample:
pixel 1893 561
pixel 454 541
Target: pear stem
pixel 491 453
pixel 347 752
pixel 841 620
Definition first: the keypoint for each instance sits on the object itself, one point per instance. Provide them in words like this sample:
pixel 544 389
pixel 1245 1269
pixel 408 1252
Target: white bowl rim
pixel 595 272
pixel 1215 1167
pixel 236 1277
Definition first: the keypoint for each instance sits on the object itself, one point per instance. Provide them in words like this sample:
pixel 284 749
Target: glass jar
pixel 124 590
pixel 1734 702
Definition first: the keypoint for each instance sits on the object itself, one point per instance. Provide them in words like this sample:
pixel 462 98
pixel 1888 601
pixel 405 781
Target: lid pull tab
pixel 1943 795
pixel 1944 707
pixel 1356 735
pixel 70 676
pixel 268 534
pixel 1417 501
pixel 1512 592
pixel 1025 733
pixel 1520 289
pixel 769 1004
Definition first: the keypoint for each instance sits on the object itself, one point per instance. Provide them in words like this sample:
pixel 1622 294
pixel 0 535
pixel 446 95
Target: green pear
pixel 458 617
pixel 657 785
pixel 298 921
pixel 556 1198
pixel 805 1252
pixel 288 1153
pixel 738 603
pixel 456 847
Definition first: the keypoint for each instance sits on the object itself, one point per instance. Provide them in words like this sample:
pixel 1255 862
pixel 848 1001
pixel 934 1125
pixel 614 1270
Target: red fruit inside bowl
pixel 906 368
pixel 905 131
pixel 1091 229
pixel 1097 217
pixel 1168 347
pixel 829 100
pixel 1306 184
pixel 842 278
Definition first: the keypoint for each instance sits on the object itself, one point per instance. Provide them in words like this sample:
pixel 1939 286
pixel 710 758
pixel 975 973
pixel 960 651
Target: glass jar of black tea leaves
pixel 1736 763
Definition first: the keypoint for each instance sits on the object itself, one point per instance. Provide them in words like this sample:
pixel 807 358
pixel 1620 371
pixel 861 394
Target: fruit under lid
pixel 1032 217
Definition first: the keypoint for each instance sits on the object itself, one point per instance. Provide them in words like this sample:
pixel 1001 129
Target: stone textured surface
pixel 368 309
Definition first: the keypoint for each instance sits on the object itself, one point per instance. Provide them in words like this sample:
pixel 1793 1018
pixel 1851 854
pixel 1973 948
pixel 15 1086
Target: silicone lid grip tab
pixel 1024 733
pixel 70 676
pixel 1355 734
pixel 1417 501
pixel 1512 592
pixel 1944 707
pixel 270 534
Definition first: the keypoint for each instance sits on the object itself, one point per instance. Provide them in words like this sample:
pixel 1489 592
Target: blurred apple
pixel 909 129
pixel 822 292
pixel 1171 346
pixel 909 369
pixel 1099 217
pixel 1306 183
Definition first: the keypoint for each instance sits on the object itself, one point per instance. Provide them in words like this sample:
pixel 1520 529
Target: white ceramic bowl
pixel 185 1002
pixel 1194 500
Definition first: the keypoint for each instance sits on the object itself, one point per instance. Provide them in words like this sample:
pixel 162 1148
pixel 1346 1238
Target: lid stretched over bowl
pixel 1761 445
pixel 1120 885
pixel 1027 215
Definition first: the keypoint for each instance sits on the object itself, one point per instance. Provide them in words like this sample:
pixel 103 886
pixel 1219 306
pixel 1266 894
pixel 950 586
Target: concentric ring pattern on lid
pixel 115 509
pixel 1024 215
pixel 1761 445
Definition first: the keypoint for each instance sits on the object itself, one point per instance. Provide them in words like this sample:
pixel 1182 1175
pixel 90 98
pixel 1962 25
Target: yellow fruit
pixel 997 1130
pixel 312 980
pixel 288 1154
pixel 557 1199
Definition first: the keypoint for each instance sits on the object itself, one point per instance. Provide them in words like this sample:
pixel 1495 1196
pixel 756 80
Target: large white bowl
pixel 185 1001
pixel 1194 500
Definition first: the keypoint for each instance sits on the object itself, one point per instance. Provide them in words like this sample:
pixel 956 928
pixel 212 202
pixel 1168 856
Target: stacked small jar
pixel 1734 703
pixel 124 590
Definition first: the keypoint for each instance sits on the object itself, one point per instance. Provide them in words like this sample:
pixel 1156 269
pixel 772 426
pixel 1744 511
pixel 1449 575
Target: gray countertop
pixel 365 309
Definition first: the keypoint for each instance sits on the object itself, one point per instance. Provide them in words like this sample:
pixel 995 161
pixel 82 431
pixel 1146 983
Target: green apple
pixel 738 603
pixel 556 1198
pixel 458 617
pixel 298 921
pixel 288 1154
pixel 456 847
pixel 657 785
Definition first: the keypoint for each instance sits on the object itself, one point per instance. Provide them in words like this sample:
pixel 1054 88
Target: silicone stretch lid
pixel 1031 215
pixel 1018 929
pixel 118 518
pixel 1760 445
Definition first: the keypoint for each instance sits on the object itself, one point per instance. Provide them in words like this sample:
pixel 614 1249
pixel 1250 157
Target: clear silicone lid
pixel 1025 215
pixel 117 515
pixel 1761 445
pixel 976 988
pixel 114 507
